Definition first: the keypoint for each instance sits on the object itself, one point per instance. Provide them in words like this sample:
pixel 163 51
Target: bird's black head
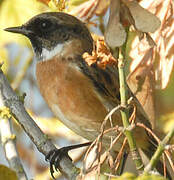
pixel 47 30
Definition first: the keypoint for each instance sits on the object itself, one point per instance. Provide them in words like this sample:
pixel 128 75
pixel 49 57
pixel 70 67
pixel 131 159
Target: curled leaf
pixel 100 55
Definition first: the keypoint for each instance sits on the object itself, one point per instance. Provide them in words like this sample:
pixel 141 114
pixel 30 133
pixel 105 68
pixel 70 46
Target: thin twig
pixel 168 155
pixel 8 140
pixel 119 156
pixel 164 165
pixel 160 149
pixel 166 152
pixel 148 130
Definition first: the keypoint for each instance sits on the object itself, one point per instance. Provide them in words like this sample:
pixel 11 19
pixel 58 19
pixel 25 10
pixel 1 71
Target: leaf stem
pixel 125 114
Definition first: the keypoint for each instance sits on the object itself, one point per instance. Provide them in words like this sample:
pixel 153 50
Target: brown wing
pixel 106 82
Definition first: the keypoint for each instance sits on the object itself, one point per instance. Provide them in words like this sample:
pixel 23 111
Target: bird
pixel 78 94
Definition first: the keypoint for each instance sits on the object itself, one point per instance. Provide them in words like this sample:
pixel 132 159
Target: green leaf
pixel 125 176
pixel 7 174
pixel 76 2
pixel 150 177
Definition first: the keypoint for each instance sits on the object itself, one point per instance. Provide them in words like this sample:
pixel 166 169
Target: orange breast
pixel 71 96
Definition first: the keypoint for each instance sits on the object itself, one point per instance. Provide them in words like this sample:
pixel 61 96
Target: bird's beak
pixel 19 29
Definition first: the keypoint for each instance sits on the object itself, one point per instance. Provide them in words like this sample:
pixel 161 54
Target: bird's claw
pixel 55 156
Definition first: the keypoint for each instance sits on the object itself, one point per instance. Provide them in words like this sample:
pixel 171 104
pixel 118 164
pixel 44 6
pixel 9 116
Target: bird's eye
pixel 45 25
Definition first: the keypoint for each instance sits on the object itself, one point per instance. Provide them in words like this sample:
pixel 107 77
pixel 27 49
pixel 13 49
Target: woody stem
pixel 125 115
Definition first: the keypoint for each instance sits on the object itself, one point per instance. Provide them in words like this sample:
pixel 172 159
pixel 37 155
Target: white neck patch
pixel 48 54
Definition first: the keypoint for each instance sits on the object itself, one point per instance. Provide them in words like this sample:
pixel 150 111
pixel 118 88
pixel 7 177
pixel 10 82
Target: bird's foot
pixel 56 155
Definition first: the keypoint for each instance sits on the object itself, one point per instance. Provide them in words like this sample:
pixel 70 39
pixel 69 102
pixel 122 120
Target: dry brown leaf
pixel 141 83
pixel 115 34
pixel 144 20
pixel 165 66
pixel 159 59
pixel 54 4
pixel 100 55
pixel 90 159
pixel 44 1
pixel 102 7
pixel 163 53
pixel 86 10
pixel 139 49
pixel 165 47
pixel 89 8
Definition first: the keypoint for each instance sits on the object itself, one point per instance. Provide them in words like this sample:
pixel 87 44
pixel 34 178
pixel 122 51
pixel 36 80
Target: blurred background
pixel 19 67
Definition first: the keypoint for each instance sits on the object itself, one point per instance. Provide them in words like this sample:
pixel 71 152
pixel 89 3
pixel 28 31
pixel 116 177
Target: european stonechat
pixel 79 95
